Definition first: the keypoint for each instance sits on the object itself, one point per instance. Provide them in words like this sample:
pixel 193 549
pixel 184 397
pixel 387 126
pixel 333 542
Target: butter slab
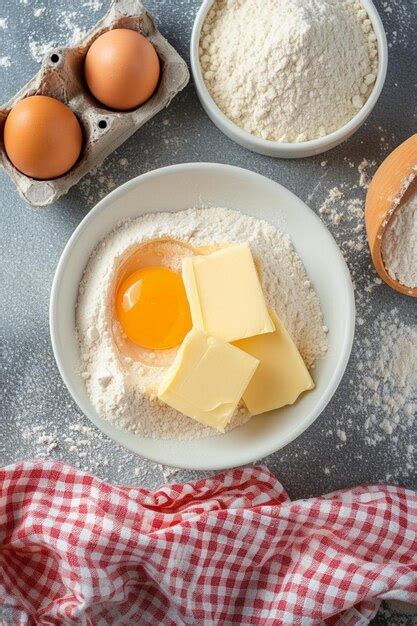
pixel 282 374
pixel 225 294
pixel 207 379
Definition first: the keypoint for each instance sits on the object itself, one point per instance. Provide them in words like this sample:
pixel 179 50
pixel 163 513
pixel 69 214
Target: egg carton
pixel 62 77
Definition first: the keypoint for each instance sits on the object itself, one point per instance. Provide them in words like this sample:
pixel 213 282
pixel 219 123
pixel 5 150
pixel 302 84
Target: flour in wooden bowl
pixel 399 243
pixel 122 389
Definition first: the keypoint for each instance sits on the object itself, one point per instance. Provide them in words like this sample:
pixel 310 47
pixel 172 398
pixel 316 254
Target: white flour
pixel 381 408
pixel 289 70
pixel 68 30
pixel 399 245
pixel 38 50
pixel 387 382
pixel 116 384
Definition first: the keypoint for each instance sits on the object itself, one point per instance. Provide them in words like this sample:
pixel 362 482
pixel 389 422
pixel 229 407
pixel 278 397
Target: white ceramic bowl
pixel 277 148
pixel 200 185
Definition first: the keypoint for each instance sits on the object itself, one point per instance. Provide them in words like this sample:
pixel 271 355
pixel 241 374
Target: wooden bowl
pixel 385 195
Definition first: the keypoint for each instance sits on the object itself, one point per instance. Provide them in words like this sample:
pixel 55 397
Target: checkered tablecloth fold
pixel 232 549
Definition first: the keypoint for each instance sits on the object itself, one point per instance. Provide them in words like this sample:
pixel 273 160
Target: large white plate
pixel 200 185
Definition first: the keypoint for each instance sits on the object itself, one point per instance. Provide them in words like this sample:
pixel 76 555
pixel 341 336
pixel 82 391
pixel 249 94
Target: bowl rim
pixel 282 149
pixel 109 428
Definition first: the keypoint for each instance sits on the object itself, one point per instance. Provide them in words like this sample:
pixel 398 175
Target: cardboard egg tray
pixel 62 77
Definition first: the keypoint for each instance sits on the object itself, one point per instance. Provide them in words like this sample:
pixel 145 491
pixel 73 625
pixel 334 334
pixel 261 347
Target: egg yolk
pixel 152 308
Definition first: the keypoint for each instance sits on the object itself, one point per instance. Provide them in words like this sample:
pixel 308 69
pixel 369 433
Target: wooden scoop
pixel 385 195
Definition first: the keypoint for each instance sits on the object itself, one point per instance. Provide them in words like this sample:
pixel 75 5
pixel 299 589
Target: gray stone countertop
pixel 350 442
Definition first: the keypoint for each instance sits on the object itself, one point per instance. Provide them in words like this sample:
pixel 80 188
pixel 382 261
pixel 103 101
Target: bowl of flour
pixel 288 78
pixel 304 278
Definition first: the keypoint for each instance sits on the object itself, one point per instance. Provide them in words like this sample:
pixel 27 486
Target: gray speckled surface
pixel 35 401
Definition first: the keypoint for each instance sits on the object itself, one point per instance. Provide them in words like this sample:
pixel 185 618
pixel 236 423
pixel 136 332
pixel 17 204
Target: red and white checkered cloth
pixel 226 550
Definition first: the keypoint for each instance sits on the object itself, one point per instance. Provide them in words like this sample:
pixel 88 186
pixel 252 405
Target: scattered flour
pixel 39 11
pixel 327 208
pixel 124 390
pixel 399 244
pixel 388 386
pixel 168 472
pixel 70 31
pixel 5 61
pixel 75 31
pixel 402 13
pixel 342 205
pixel 3 23
pixel 382 404
pixel 289 70
pixel 94 5
pixel 363 169
pixel 341 434
pixel 40 49
pixel 48 442
pixel 382 401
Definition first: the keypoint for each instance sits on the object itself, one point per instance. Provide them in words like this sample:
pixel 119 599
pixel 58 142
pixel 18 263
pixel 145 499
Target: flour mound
pixel 289 70
pixel 399 245
pixel 123 390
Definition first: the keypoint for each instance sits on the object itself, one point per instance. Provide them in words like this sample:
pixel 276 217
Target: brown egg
pixel 122 69
pixel 42 137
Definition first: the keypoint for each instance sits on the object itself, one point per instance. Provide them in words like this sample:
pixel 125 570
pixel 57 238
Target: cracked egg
pixel 150 306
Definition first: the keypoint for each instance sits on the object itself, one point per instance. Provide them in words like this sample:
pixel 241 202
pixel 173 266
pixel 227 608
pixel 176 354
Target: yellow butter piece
pixel 207 379
pixel 282 374
pixel 225 294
